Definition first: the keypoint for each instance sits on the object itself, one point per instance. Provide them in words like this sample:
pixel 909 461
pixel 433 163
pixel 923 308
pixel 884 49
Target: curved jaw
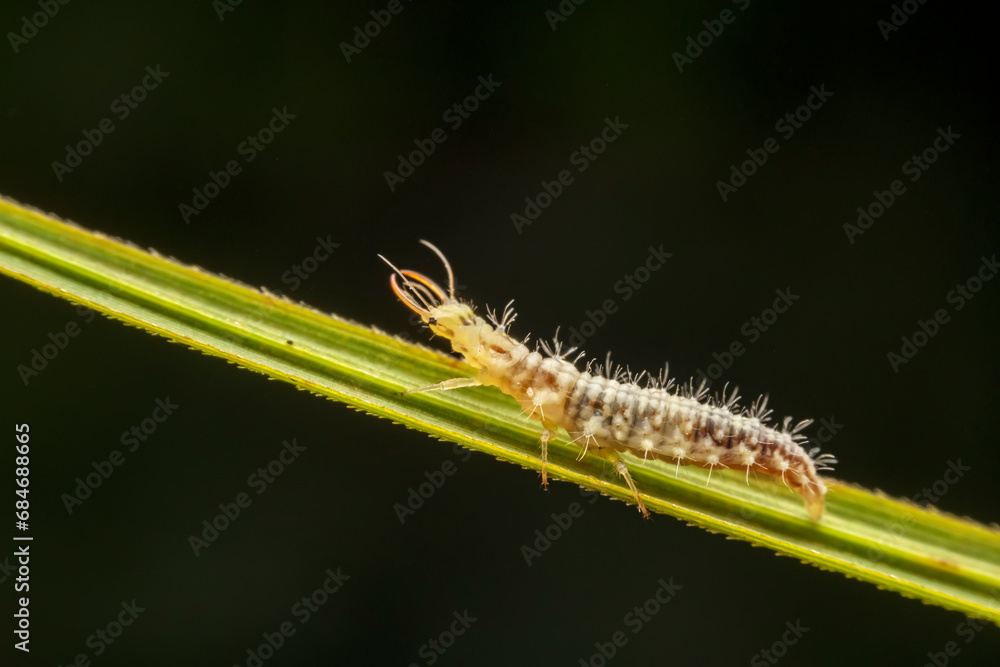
pixel 420 293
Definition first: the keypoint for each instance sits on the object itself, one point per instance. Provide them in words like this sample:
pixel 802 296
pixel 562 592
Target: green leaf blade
pixel 915 551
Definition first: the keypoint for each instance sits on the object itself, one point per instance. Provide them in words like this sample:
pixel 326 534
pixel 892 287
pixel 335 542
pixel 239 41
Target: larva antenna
pixel 447 267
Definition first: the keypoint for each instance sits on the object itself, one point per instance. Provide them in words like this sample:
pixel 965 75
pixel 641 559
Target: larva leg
pixel 454 383
pixel 547 434
pixel 622 469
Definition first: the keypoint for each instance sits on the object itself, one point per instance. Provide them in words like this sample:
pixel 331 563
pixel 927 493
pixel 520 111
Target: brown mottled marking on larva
pixel 605 415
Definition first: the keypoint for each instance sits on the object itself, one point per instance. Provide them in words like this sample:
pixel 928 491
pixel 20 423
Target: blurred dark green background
pixel 323 176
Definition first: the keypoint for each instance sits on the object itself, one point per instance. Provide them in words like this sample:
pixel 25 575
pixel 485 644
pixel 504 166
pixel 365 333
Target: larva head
pixel 439 310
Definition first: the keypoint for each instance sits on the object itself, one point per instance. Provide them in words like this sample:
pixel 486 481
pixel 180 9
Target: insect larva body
pixel 605 415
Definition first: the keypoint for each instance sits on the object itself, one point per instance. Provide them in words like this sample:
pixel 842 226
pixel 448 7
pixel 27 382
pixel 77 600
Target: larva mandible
pixel 608 411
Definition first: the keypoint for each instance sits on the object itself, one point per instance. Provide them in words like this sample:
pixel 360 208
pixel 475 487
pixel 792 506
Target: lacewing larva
pixel 606 412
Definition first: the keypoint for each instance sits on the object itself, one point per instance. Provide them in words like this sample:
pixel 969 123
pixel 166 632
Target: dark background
pixel 323 177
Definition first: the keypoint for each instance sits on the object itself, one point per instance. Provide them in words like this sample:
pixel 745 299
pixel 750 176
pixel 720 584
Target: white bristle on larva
pixel 605 411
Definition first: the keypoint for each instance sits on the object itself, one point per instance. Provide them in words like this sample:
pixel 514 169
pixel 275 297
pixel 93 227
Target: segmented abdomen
pixel 655 423
pixel 686 427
